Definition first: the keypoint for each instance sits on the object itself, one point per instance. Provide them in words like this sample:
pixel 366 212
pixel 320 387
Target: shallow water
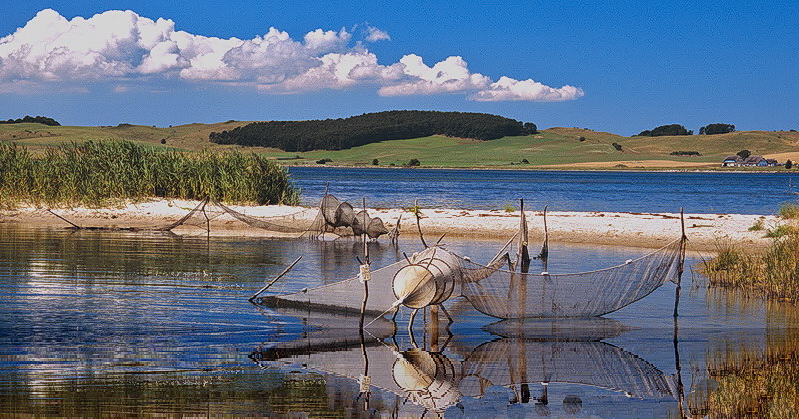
pixel 697 192
pixel 103 323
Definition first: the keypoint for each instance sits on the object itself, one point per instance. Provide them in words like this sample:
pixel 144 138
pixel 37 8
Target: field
pixel 550 148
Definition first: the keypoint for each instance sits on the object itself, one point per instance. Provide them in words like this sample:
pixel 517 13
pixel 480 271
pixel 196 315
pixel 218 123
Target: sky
pixel 616 66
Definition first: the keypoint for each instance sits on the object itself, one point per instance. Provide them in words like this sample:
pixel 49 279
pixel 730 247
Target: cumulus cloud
pixel 507 88
pixel 121 46
pixel 375 34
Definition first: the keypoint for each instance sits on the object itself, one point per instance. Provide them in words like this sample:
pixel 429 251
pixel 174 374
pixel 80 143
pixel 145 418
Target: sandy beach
pixel 650 230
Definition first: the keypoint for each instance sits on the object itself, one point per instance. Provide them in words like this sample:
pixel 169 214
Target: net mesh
pixel 502 293
pixel 332 216
pixel 509 295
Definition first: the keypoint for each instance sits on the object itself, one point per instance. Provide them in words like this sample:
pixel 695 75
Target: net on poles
pixel 512 295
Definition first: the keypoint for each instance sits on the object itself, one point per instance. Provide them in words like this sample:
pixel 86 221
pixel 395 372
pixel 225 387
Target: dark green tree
pixel 673 129
pixel 788 164
pixel 414 162
pixel 375 162
pixel 337 134
pixel 713 129
pixel 744 154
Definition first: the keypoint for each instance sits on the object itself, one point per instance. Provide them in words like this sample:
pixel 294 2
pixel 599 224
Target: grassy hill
pixel 550 148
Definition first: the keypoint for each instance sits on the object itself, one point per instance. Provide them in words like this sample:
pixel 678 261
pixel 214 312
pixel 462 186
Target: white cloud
pixel 448 76
pixel 122 47
pixel 507 88
pixel 374 34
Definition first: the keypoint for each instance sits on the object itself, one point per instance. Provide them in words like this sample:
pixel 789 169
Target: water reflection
pixel 540 362
pixel 97 324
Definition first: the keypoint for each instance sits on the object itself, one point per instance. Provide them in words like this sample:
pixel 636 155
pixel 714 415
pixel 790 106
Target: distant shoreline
pixel 646 230
pixel 546 169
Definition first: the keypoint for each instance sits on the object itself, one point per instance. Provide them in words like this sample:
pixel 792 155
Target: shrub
pixel 788 164
pixel 525 161
pixel 685 153
pixel 788 211
pixel 163 141
pixel 581 138
pixel 757 226
pixel 323 161
pixel 375 162
pixel 617 146
pixel 414 162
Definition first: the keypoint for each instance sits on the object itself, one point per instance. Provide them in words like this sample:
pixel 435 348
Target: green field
pixel 551 148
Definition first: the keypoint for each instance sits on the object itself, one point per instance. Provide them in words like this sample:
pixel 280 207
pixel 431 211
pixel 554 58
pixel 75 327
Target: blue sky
pixel 609 66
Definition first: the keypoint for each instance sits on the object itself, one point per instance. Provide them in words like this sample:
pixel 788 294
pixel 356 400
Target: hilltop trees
pixel 35 119
pixel 673 129
pixel 713 129
pixel 338 134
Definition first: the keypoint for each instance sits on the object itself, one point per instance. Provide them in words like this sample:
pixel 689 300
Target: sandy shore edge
pixel 649 230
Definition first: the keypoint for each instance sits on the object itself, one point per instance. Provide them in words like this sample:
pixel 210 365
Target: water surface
pixel 697 192
pixel 100 323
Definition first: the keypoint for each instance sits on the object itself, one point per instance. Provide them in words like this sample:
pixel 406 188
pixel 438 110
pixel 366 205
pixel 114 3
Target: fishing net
pixel 509 295
pixel 434 274
pixel 347 295
pixel 332 216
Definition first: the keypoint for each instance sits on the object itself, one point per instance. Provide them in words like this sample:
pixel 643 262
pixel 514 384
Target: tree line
pixel 35 119
pixel 343 133
pixel 677 129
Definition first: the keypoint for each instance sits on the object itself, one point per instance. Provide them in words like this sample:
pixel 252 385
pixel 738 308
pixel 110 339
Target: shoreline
pixel 645 230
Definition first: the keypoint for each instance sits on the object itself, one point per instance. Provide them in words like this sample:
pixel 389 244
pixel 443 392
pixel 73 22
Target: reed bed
pixel 96 173
pixel 773 273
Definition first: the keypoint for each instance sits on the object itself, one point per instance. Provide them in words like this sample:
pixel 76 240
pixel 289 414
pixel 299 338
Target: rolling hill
pixel 551 148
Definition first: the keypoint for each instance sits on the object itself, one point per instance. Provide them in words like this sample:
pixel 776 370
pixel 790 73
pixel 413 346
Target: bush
pixel 323 161
pixel 525 161
pixel 375 162
pixel 414 162
pixel 617 146
pixel 685 153
pixel 788 211
pixel 581 138
pixel 788 164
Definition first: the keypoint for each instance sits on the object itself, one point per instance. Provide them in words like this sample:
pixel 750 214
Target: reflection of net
pixel 514 361
pixel 508 295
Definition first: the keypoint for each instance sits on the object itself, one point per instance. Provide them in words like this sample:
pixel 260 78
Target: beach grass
pixel 773 273
pixel 96 173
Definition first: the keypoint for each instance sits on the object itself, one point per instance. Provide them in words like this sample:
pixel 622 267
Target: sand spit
pixel 651 230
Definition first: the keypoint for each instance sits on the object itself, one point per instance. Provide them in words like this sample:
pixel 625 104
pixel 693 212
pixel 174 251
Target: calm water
pixel 736 193
pixel 101 324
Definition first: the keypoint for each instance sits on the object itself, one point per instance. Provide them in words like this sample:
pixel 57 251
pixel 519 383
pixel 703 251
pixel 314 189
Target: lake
pixel 105 323
pixel 698 192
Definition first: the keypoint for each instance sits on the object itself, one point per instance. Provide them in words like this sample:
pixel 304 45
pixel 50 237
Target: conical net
pixel 332 216
pixel 509 295
pixel 505 294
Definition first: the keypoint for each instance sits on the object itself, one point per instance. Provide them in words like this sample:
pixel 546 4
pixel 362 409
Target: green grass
pixel 554 147
pixel 95 173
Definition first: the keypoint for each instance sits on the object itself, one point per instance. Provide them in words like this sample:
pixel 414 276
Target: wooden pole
pixel 364 275
pixel 418 214
pixel 681 266
pixel 288 268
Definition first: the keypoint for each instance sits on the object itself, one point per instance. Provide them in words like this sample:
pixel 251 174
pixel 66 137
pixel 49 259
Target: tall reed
pixel 95 173
pixel 773 273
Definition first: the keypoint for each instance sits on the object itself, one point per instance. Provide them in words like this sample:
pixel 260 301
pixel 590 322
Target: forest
pixel 344 133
